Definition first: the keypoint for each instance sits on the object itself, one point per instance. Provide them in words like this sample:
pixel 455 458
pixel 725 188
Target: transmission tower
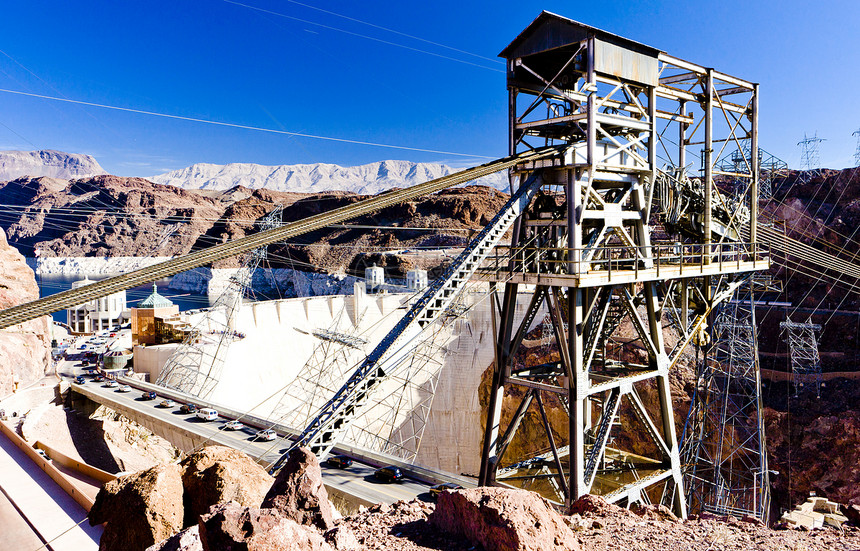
pixel 770 168
pixel 723 447
pixel 810 159
pixel 802 339
pixel 857 152
pixel 195 367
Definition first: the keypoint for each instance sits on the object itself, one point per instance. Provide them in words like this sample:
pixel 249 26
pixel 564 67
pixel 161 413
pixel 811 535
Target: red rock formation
pixel 229 526
pixel 298 492
pixel 217 474
pixel 140 509
pixel 25 349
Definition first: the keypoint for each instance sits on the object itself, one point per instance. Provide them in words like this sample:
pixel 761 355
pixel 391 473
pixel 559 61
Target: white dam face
pixel 294 354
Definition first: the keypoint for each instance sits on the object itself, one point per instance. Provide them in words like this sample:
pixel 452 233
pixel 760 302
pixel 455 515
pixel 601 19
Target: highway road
pixel 357 480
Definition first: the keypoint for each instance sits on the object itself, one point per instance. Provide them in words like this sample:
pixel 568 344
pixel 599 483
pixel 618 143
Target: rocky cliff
pixel 114 217
pixel 24 348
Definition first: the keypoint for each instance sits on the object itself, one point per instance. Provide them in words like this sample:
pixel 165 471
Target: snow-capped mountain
pixel 313 178
pixel 54 164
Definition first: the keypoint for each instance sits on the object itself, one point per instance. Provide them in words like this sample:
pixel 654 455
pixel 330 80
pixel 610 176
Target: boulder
pixel 596 506
pixel 139 509
pixel 503 519
pixel 298 492
pixel 656 511
pixel 217 474
pixel 186 540
pixel 342 538
pixel 229 526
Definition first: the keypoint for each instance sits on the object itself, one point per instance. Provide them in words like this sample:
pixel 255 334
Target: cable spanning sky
pixel 138 85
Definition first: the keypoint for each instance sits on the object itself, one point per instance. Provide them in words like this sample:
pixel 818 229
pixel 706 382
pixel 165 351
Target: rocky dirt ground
pixel 404 526
pixel 295 515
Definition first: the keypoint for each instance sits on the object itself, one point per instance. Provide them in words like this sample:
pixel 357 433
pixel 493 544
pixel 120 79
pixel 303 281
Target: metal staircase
pixel 395 349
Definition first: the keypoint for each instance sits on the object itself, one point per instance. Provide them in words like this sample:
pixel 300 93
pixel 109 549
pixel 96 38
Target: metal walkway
pixel 67 299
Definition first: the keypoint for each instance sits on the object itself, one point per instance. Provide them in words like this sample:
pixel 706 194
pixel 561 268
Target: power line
pixel 375 26
pixel 241 126
pixel 387 42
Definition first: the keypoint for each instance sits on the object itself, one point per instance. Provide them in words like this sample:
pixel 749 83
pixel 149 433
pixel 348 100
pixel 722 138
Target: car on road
pixel 266 435
pixel 123 388
pixel 189 408
pixel 85 363
pixel 167 403
pixel 98 379
pixel 388 474
pixel 148 395
pixel 339 461
pixel 439 488
pixel 80 380
pixel 42 454
pixel 111 384
pixel 207 414
pixel 234 425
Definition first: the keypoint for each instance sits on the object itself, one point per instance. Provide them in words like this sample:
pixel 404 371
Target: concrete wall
pixel 279 342
pixel 150 359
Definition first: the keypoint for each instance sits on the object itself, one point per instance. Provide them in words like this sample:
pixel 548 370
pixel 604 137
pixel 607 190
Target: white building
pixel 98 314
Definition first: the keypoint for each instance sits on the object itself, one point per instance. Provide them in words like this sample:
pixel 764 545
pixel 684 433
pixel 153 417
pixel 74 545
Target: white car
pixel 207 414
pixel 234 425
pixel 123 388
pixel 111 384
pixel 267 435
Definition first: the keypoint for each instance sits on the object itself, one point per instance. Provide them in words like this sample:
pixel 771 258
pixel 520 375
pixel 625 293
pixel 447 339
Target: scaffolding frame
pixel 618 105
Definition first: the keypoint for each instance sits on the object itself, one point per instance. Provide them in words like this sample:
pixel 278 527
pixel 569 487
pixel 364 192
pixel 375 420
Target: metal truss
pixel 770 168
pixel 810 158
pixel 196 365
pixel 586 243
pixel 394 356
pixel 339 350
pixel 723 444
pixel 802 339
pixel 397 412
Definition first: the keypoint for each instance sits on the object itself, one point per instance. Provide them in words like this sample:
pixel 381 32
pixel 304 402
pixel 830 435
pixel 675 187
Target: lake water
pixel 52 284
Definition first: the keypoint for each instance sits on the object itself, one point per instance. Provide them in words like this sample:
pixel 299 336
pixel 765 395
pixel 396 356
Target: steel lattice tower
pixel 810 158
pixel 770 168
pixel 802 339
pixel 195 367
pixel 857 152
pixel 723 447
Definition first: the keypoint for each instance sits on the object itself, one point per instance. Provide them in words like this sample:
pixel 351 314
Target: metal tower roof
pixel 155 300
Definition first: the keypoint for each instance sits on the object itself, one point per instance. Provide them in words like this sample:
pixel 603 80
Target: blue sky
pixel 281 65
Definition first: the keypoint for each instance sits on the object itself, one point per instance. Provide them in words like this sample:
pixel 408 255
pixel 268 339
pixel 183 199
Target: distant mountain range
pixel 306 178
pixel 314 178
pixel 54 164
